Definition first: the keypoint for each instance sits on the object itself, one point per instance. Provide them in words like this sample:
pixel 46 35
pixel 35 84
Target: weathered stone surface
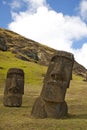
pixel 58 77
pixel 14 88
pixel 79 70
pixel 14 100
pixel 51 102
pixel 43 109
pixel 56 110
pixel 85 77
pixel 38 110
pixel 3 46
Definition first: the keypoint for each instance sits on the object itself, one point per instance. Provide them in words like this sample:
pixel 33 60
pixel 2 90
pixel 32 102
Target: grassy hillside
pixel 29 50
pixel 33 72
pixel 20 119
pixel 24 48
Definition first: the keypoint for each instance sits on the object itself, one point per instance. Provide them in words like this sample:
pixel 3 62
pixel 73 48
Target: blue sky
pixel 64 6
pixel 60 24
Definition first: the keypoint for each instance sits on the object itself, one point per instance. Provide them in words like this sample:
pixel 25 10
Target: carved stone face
pixel 15 81
pixel 58 77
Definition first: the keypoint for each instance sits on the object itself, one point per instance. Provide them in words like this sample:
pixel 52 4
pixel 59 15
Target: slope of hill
pixel 34 73
pixel 24 48
pixel 29 50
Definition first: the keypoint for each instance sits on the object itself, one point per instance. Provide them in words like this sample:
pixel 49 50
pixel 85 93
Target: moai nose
pixel 13 82
pixel 57 72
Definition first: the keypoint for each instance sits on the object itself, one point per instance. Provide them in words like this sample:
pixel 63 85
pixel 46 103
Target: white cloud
pixel 83 9
pixel 81 55
pixel 4 2
pixel 15 4
pixel 36 3
pixel 51 28
pixel 31 5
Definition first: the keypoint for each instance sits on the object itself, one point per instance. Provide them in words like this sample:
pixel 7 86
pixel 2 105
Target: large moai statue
pixel 14 88
pixel 51 102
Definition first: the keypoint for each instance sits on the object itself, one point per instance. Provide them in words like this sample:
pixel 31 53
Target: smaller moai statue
pixel 14 88
pixel 51 102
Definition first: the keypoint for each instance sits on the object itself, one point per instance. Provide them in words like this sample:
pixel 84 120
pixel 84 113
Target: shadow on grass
pixel 78 116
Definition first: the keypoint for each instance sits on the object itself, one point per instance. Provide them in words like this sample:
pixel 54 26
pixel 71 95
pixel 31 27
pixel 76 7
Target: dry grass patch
pixel 20 118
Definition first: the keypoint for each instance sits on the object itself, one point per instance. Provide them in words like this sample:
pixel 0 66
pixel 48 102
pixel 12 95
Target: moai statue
pixel 51 102
pixel 14 88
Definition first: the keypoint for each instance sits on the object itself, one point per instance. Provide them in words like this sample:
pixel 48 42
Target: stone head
pixel 58 77
pixel 14 81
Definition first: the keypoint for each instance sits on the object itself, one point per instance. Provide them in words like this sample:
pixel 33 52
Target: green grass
pixel 20 118
pixel 33 72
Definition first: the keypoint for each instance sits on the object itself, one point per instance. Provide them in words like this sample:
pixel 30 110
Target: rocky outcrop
pixel 79 69
pixel 25 49
pixel 3 46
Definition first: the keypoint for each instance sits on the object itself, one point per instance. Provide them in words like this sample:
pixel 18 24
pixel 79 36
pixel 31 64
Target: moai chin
pixel 51 102
pixel 14 88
